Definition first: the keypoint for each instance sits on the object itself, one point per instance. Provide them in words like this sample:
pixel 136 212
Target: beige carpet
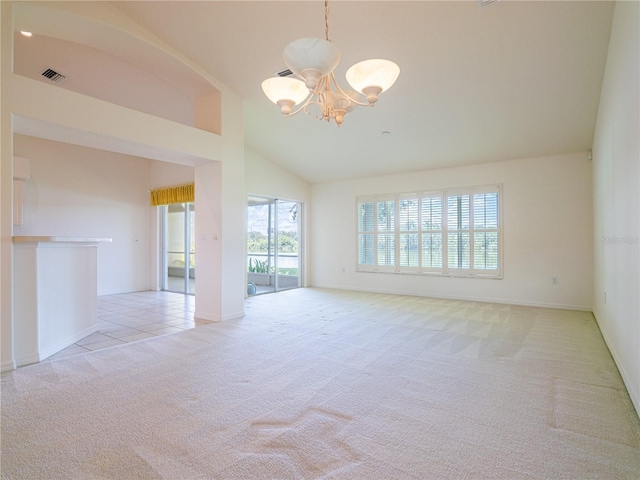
pixel 327 384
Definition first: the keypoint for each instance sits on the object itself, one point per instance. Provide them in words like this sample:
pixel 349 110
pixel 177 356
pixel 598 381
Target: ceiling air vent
pixel 284 73
pixel 54 76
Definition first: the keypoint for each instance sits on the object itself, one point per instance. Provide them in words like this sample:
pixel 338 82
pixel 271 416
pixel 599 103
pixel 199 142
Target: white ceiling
pixel 513 80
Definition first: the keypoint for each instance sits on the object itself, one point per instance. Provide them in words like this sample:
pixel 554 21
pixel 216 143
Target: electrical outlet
pixel 343 269
pixel 554 280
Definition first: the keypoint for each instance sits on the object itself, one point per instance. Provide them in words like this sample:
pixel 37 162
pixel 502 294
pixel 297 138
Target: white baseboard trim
pixel 209 317
pixel 460 297
pixel 198 315
pixel 7 366
pixel 635 396
pixel 67 342
pixel 27 360
pixel 233 316
pixel 38 356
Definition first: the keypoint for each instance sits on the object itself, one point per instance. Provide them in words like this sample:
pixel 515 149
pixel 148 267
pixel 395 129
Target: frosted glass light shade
pixel 278 89
pixel 343 102
pixel 311 54
pixel 373 73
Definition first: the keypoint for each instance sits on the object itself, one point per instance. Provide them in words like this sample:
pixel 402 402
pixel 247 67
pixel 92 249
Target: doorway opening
pixel 274 245
pixel 178 223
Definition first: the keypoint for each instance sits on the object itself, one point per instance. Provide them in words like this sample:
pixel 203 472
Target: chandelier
pixel 313 61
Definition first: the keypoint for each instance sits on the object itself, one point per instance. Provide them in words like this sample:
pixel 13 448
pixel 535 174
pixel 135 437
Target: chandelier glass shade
pixel 285 92
pixel 313 61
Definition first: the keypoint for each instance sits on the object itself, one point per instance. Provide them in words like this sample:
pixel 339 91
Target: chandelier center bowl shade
pixel 313 61
pixel 311 57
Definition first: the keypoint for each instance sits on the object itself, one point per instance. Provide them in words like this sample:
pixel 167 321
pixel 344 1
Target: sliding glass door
pixel 178 252
pixel 274 245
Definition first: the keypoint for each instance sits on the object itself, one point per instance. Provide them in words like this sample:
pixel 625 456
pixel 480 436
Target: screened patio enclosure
pixel 274 244
pixel 177 224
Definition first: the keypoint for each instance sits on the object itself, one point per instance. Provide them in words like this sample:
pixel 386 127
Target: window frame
pixel 445 233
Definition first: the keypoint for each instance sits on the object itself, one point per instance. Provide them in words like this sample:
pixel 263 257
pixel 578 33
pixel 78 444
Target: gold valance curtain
pixel 177 194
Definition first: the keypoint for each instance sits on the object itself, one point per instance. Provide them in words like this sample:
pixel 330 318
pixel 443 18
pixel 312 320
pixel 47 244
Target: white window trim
pixel 445 270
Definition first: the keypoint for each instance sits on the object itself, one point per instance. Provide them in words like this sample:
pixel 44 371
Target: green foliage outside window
pixel 258 242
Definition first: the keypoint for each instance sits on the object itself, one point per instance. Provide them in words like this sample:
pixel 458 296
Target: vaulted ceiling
pixel 477 84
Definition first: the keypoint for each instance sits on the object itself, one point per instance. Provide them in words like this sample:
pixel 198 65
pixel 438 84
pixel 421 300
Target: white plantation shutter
pixel 458 237
pixel 432 232
pixel 376 234
pixel 409 227
pixel 366 221
pixel 455 233
pixel 386 236
pixel 485 231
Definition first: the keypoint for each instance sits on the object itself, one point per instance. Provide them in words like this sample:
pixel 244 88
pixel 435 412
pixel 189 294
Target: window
pixel 454 232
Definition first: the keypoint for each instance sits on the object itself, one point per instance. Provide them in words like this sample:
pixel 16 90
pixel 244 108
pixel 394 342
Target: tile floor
pixel 130 317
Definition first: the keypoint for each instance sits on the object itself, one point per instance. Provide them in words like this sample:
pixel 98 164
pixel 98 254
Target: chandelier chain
pixel 326 20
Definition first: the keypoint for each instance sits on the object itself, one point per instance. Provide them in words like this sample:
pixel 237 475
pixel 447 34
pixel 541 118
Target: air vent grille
pixel 54 76
pixel 284 73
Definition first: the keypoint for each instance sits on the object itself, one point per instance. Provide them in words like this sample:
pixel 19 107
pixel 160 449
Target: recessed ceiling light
pixel 385 133
pixel 26 34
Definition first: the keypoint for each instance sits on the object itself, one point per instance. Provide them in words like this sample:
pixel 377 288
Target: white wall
pixel 6 193
pixel 264 178
pixel 616 183
pixel 86 68
pixel 46 111
pixel 163 174
pixel 80 191
pixel 547 232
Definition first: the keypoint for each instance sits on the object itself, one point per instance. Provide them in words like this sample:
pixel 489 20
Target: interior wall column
pixel 6 189
pixel 208 202
pixel 234 249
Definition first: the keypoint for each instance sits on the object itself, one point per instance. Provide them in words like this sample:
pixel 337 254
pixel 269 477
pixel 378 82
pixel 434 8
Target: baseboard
pixel 209 317
pixel 27 360
pixel 7 366
pixel 40 355
pixel 199 315
pixel 459 297
pixel 233 316
pixel 633 394
pixel 67 342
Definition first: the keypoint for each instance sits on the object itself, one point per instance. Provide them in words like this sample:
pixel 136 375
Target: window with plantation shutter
pixel 431 229
pixel 485 231
pixel 409 227
pixel 453 233
pixel 366 218
pixel 458 235
pixel 386 233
